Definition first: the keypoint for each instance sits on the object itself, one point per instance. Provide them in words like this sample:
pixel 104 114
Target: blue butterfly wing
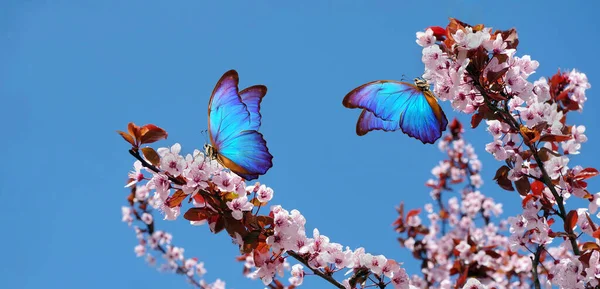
pixel 384 98
pixel 239 146
pixel 417 112
pixel 227 114
pixel 247 155
pixel 251 97
pixel 367 121
pixel 422 117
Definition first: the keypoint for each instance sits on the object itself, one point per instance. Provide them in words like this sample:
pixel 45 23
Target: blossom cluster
pixel 225 202
pixel 460 240
pixel 319 253
pixel 152 242
pixel 479 72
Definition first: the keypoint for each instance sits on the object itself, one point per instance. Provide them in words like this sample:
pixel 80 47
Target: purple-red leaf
pixel 523 186
pixel 176 199
pixel 555 138
pixel 571 221
pixel 502 180
pixel 127 137
pixel 151 155
pixel 586 174
pixel 151 133
pixel 198 214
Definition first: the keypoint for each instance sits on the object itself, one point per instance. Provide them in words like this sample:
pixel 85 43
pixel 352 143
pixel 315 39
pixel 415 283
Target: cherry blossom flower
pixel 426 39
pixel 264 194
pixel 147 218
pixel 297 275
pixel 238 206
pixel 140 250
pixel 135 175
pixel 557 166
pixel 171 161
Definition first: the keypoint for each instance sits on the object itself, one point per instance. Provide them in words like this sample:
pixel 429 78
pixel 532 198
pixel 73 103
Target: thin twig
pixel 317 272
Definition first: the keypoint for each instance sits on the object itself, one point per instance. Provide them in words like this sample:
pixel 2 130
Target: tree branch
pixel 510 120
pixel 317 272
pixel 535 262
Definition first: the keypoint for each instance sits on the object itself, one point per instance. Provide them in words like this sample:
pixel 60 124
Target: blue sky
pixel 73 72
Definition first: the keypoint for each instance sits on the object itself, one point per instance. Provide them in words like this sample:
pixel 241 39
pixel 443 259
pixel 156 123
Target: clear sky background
pixel 73 72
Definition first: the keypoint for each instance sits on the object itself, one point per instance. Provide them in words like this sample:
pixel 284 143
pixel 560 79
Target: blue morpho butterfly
pixel 233 122
pixel 391 105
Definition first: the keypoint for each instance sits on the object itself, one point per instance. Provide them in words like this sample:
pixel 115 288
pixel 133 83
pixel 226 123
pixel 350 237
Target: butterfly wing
pixel 417 112
pixel 367 121
pixel 246 155
pixel 422 117
pixel 251 97
pixel 239 146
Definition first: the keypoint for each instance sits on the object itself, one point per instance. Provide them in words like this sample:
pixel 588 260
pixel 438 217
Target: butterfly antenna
pixel 204 133
pixel 403 77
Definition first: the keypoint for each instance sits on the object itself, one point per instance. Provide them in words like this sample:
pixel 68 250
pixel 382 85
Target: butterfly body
pixel 233 122
pixel 390 105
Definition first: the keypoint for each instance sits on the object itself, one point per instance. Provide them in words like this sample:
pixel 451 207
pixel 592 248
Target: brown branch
pixel 535 262
pixel 317 272
pixel 180 269
pixel 510 120
pixel 294 255
pixel 136 154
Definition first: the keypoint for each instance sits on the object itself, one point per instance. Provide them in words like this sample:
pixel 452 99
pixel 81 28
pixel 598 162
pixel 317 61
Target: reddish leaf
pixel 502 180
pixel 497 96
pixel 596 234
pixel 586 174
pixel 545 154
pixel 176 199
pixel 151 155
pixel 492 76
pixel 252 241
pixel 198 214
pixel 523 186
pixel 537 187
pixel 199 199
pixel 229 196
pixel 413 212
pixel 444 214
pixel 511 38
pixel 438 32
pixel 493 254
pixel 131 198
pixel 529 136
pixel 257 203
pixel 571 221
pixel 585 258
pixel 234 227
pixel 134 130
pixel 525 155
pixel 526 200
pixel 476 119
pixel 127 137
pixel 590 246
pixel 460 282
pixel 216 223
pixel 455 127
pixel 555 138
pixel 479 59
pixel 264 221
pixel 151 133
